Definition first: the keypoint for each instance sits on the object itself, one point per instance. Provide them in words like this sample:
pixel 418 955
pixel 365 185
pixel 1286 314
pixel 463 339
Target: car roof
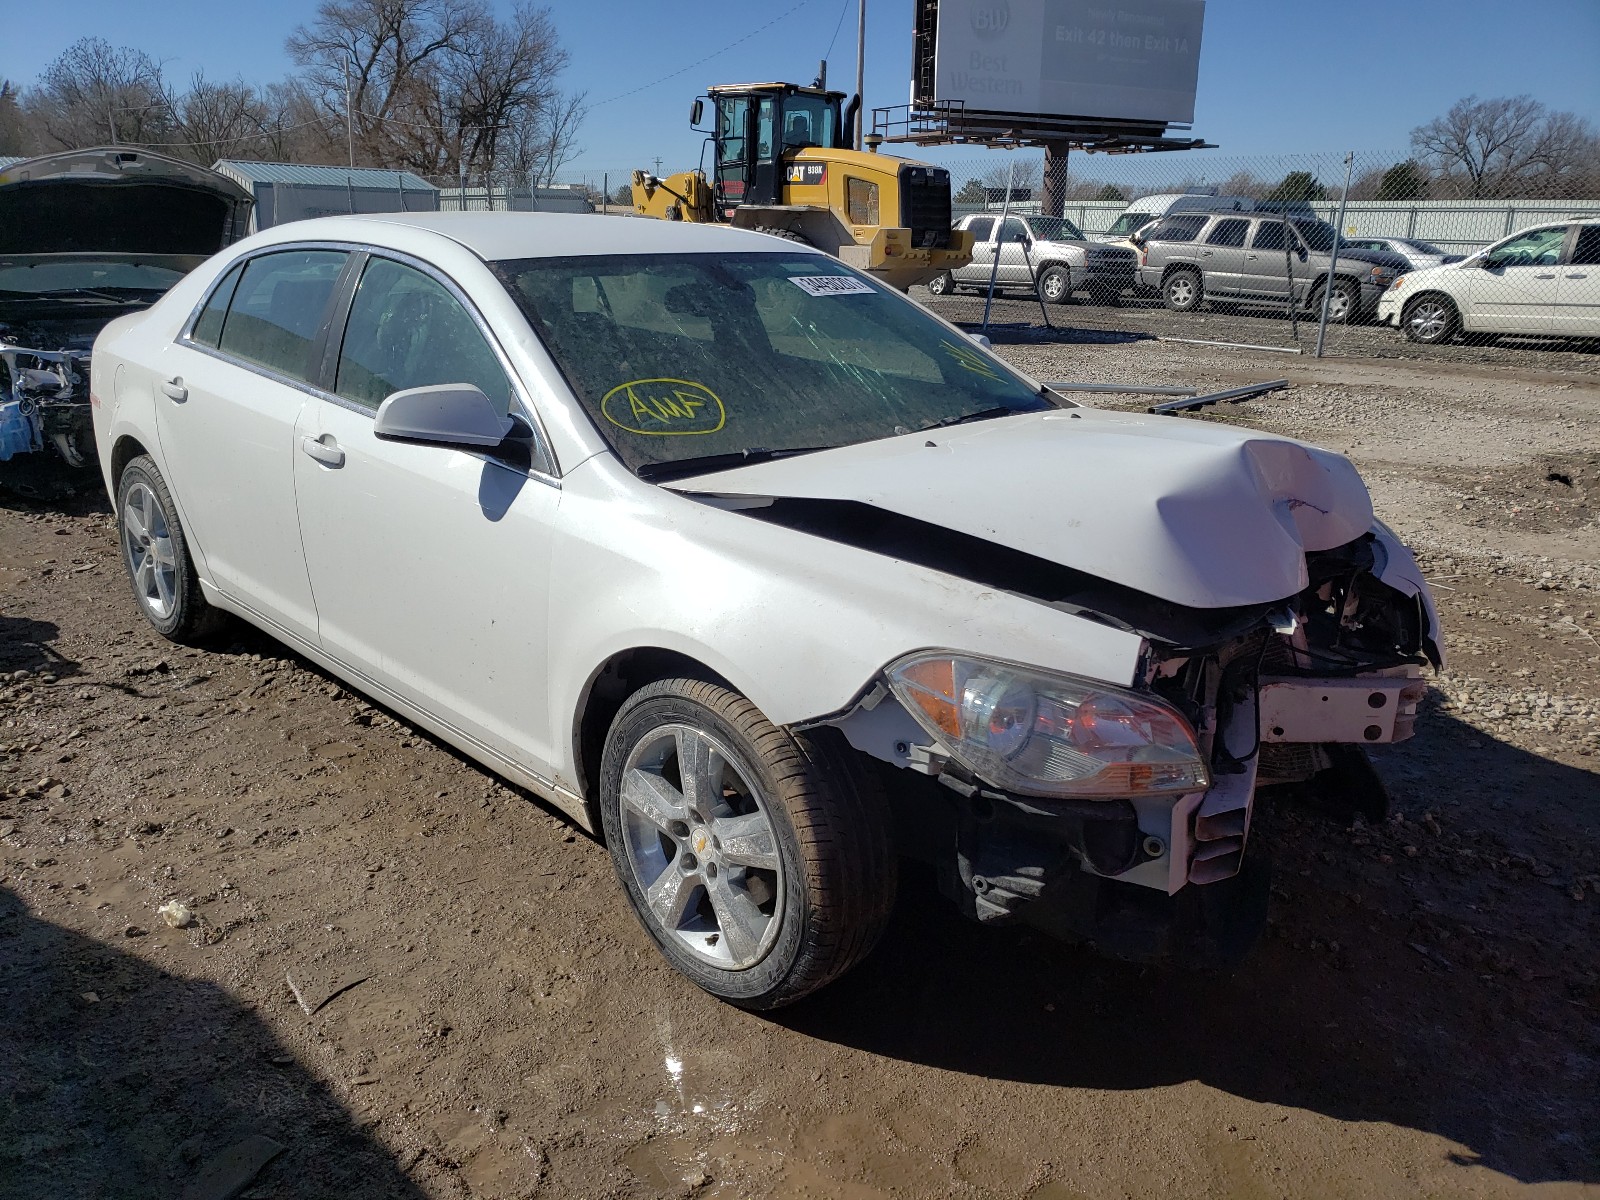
pixel 494 236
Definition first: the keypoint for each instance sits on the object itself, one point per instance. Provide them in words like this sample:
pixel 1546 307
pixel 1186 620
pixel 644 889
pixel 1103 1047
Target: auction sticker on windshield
pixel 663 407
pixel 831 285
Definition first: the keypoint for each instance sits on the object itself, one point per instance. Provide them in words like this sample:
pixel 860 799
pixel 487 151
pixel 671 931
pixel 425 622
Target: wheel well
pixel 125 451
pixel 608 690
pixel 1413 301
pixel 1173 268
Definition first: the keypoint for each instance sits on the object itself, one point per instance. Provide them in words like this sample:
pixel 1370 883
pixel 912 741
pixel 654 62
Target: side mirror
pixel 696 111
pixel 446 414
pixel 981 340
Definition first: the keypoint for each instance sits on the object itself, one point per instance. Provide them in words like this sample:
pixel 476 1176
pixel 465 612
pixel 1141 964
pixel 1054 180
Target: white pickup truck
pixel 1047 253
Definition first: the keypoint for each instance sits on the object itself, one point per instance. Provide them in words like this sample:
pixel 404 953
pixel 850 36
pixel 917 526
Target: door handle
pixel 1254 256
pixel 174 390
pixel 1585 275
pixel 326 453
pixel 1552 275
pixel 1205 254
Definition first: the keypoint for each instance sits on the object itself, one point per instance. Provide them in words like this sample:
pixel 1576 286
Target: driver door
pixel 1513 289
pixel 429 564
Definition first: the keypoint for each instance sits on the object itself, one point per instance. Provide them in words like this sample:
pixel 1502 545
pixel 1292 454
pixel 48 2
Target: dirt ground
pixel 473 1012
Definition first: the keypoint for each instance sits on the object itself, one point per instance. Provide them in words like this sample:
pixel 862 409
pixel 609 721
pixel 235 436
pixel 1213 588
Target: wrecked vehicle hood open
pixel 113 201
pixel 1196 514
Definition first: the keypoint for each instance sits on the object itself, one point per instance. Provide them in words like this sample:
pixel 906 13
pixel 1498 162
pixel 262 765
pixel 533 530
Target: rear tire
pixel 155 552
pixel 1182 291
pixel 1055 285
pixel 942 284
pixel 787 235
pixel 758 860
pixel 1430 321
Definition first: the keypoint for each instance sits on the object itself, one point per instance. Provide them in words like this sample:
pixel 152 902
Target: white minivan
pixel 1541 282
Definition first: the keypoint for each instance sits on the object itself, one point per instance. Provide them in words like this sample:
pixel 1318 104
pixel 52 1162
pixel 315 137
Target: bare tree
pixel 1502 147
pixel 219 120
pixel 13 127
pixel 440 86
pixel 96 92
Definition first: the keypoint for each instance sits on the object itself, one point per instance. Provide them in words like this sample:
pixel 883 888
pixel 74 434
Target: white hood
pixel 1197 514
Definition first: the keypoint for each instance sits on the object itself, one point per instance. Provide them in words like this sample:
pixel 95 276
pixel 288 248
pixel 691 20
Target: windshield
pixel 683 356
pixel 1055 229
pixel 1319 235
pixel 808 121
pixel 51 278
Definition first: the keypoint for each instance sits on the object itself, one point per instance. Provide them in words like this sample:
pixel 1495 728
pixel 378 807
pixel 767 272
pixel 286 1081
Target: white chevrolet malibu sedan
pixel 763 574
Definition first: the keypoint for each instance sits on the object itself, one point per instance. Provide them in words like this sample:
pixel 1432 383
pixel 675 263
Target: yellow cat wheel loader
pixel 784 165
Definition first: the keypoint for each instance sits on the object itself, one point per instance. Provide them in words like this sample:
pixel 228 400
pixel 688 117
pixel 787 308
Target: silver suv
pixel 1260 259
pixel 1047 253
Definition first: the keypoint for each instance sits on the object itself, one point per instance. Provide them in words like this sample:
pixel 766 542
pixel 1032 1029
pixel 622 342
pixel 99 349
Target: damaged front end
pixel 1153 870
pixel 44 393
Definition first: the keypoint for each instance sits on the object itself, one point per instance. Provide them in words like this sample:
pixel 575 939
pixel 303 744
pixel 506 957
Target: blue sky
pixel 1265 84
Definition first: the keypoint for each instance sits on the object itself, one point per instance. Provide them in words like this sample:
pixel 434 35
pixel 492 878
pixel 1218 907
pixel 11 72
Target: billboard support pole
pixel 1055 178
pixel 994 267
pixel 1333 257
pixel 861 68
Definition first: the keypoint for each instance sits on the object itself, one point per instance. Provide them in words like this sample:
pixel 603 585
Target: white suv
pixel 1544 282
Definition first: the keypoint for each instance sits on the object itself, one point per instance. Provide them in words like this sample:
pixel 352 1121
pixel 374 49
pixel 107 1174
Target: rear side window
pixel 1179 229
pixel 208 329
pixel 277 308
pixel 982 228
pixel 407 330
pixel 1587 252
pixel 1269 236
pixel 1228 233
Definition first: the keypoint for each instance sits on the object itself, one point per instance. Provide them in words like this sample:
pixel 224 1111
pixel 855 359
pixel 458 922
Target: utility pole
pixel 349 128
pixel 658 168
pixel 861 67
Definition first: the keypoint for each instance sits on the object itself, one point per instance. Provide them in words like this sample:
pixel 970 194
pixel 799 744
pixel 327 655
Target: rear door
pixel 235 387
pixel 1222 256
pixel 1578 293
pixel 982 229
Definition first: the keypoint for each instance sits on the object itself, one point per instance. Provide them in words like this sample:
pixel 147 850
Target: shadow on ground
pixel 1381 995
pixel 26 645
pixel 135 1091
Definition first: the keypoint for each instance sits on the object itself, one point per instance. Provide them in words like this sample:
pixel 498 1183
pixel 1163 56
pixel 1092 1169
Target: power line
pixel 843 9
pixel 715 54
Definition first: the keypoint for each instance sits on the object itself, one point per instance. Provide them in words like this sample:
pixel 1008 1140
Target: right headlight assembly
pixel 1042 734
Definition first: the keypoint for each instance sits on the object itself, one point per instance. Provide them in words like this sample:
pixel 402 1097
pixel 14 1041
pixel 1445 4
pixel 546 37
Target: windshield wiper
pixel 983 414
pixel 719 462
pixel 93 294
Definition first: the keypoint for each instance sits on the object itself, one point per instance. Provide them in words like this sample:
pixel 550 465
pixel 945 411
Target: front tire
pixel 1343 302
pixel 942 284
pixel 1055 285
pixel 1181 291
pixel 1430 320
pixel 759 861
pixel 155 552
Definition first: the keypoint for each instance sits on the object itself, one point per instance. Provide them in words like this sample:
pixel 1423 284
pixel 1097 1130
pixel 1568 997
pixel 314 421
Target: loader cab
pixel 756 125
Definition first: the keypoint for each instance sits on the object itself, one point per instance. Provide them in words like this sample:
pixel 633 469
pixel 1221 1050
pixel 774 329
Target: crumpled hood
pixel 1197 514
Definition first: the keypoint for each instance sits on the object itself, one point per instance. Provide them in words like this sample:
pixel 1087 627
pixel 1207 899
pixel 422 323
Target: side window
pixel 1536 248
pixel 1269 236
pixel 1179 229
pixel 407 330
pixel 208 329
pixel 981 228
pixel 1228 233
pixel 277 308
pixel 1587 252
pixel 1014 231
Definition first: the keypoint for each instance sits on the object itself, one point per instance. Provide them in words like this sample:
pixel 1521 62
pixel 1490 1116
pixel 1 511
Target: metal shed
pixel 296 191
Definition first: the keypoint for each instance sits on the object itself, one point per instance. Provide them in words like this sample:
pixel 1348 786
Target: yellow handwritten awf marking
pixel 971 360
pixel 663 407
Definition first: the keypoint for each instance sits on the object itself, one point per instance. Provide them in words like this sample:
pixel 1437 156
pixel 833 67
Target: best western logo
pixel 989 20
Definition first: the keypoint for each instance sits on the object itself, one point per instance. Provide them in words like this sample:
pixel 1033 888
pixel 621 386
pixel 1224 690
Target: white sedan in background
pixel 1542 282
pixel 762 573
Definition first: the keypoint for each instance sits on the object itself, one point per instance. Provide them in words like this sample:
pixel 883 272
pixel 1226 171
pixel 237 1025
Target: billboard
pixel 1135 60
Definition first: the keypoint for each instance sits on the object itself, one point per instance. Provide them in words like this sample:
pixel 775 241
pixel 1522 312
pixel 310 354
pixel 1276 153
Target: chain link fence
pixel 1241 251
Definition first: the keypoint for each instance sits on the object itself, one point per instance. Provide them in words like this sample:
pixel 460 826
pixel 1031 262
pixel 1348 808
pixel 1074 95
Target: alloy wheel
pixel 701 846
pixel 147 546
pixel 1429 320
